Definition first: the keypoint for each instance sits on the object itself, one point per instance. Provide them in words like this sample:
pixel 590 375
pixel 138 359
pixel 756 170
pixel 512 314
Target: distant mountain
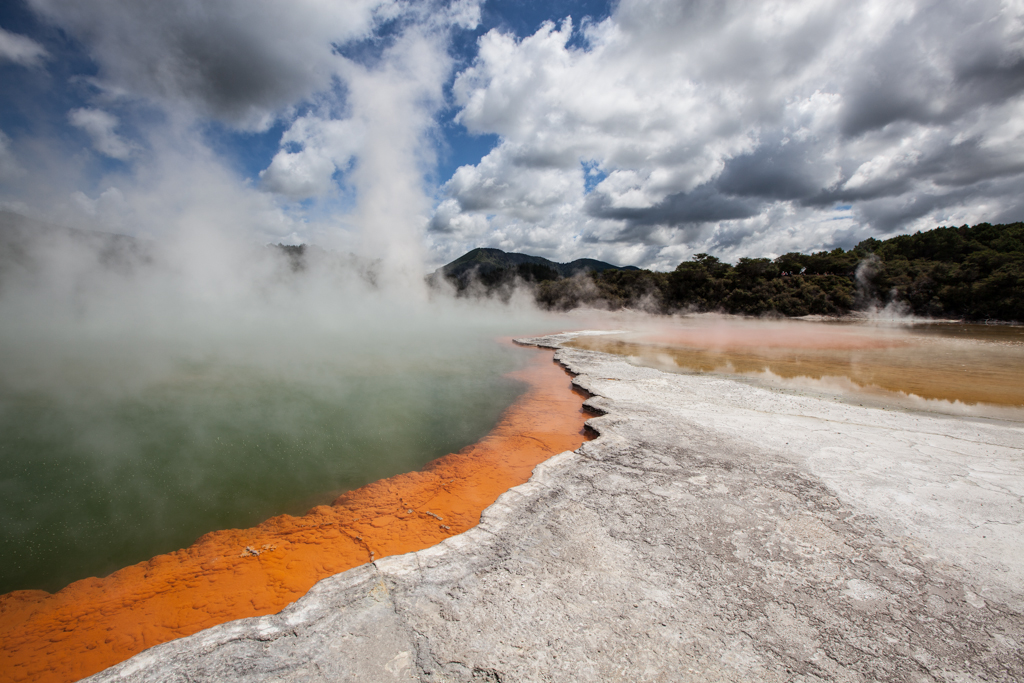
pixel 488 264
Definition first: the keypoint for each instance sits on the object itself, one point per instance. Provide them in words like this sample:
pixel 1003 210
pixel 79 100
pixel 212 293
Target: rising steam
pixel 153 391
pixel 867 298
pixel 191 375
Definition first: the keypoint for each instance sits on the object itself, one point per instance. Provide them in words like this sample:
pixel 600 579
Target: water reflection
pixel 945 367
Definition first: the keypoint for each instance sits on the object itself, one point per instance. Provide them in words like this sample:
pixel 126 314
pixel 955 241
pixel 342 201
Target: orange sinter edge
pixel 236 573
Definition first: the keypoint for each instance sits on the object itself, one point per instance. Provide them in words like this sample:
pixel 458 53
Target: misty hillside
pixel 16 231
pixel 28 245
pixel 494 267
pixel 23 240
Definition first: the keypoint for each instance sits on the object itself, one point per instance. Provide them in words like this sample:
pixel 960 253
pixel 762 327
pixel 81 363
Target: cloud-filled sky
pixel 637 131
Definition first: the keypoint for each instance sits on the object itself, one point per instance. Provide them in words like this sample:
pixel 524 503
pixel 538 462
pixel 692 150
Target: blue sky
pixel 641 131
pixel 252 152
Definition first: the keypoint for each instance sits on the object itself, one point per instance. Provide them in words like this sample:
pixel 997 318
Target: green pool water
pixel 96 475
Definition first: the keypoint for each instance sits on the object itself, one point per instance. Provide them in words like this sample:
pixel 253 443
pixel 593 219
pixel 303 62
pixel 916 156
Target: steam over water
pixel 147 398
pixel 152 393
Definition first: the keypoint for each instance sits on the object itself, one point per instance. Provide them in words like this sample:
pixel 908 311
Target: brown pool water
pixel 945 367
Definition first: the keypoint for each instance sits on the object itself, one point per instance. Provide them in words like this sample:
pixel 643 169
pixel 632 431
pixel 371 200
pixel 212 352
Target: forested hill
pixel 974 273
pixel 496 268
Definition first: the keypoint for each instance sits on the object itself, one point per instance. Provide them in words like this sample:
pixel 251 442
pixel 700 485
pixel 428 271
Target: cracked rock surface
pixel 714 531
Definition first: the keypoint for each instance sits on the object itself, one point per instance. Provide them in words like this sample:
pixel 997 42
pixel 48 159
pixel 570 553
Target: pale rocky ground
pixel 716 531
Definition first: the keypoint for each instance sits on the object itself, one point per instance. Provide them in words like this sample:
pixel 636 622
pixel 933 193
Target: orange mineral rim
pixel 236 573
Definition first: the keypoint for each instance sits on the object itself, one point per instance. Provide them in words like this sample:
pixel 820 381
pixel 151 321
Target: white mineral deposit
pixel 715 530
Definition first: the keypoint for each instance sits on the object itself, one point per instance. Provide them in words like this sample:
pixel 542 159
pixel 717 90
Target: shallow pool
pixel 943 367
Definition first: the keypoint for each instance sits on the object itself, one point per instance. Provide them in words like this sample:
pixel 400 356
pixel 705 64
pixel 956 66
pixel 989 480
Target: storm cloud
pixel 235 60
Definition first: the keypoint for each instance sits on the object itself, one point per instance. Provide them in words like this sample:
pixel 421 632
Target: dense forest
pixel 973 273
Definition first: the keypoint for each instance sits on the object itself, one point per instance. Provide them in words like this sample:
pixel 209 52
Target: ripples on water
pixel 942 367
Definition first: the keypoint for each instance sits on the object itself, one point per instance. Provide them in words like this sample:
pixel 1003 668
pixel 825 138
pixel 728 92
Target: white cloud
pixel 886 167
pixel 300 175
pixel 666 129
pixel 100 126
pixel 515 185
pixel 21 49
pixel 325 147
pixel 737 129
pixel 463 13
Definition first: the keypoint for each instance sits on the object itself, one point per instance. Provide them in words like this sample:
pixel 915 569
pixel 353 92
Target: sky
pixel 636 132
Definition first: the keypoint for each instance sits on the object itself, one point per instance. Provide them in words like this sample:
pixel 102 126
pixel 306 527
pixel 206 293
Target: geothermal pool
pixel 111 457
pixel 97 473
pixel 237 573
pixel 954 368
pixel 95 478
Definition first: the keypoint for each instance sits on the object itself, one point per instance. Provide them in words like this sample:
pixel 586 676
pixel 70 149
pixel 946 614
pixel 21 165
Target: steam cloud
pixel 354 86
pixel 124 358
pixel 125 363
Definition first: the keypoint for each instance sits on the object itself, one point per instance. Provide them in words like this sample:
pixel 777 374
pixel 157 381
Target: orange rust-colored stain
pixel 237 573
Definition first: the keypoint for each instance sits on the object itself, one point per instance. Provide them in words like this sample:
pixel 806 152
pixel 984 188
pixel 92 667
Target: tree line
pixel 972 273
